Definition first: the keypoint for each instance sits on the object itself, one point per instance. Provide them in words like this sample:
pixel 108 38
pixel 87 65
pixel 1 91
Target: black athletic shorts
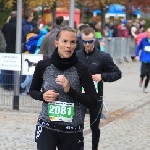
pixel 145 69
pixel 48 139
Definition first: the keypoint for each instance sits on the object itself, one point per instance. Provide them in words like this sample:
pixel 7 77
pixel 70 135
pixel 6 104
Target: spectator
pixel 138 37
pixel 57 25
pixel 49 26
pixel 123 30
pixel 26 24
pixel 26 28
pixel 35 31
pixel 98 32
pixel 107 31
pixel 9 31
pixel 42 35
pixel 114 30
pixel 45 40
pixel 50 47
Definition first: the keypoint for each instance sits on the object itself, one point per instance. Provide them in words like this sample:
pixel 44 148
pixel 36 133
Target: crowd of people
pixel 69 79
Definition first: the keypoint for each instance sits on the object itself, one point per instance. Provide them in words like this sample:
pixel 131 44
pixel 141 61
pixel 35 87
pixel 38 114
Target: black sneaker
pixel 22 90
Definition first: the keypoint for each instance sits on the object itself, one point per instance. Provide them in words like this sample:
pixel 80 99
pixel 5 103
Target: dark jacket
pixel 100 62
pixel 26 28
pixel 9 31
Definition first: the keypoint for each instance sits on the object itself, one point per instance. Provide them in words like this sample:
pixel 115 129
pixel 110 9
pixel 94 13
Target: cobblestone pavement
pixel 131 132
pixel 127 126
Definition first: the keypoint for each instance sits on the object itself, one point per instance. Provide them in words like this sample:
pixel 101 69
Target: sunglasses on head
pixel 89 42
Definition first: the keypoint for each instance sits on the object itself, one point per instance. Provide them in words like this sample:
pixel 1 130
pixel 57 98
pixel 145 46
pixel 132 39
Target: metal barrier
pixel 7 97
pixel 118 48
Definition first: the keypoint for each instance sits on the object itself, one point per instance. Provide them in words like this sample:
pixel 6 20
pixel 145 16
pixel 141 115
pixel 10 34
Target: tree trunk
pixel 103 10
pixel 128 10
pixel 82 15
pixel 25 5
pixel 54 12
pixel 14 8
pixel 127 15
pixel 82 12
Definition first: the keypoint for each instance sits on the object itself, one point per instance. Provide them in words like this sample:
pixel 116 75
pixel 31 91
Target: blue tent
pixel 117 9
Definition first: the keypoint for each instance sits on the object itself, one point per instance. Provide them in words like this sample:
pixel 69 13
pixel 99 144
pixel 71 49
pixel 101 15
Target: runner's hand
pixel 137 58
pixel 62 80
pixel 97 77
pixel 50 96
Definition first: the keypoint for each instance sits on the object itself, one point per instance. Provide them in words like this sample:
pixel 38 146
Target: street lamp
pixel 71 13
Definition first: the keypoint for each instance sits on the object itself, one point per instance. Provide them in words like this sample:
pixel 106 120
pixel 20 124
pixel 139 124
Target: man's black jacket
pixel 102 63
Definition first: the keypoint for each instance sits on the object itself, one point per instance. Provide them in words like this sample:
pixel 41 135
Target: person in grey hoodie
pixel 44 41
pixel 50 47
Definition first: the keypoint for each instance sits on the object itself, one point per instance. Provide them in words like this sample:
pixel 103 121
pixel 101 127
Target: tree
pixel 103 5
pixel 83 4
pixel 32 4
pixel 129 4
pixel 4 13
pixel 8 3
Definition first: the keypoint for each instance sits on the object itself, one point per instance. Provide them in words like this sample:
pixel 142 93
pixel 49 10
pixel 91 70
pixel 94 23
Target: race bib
pixel 61 111
pixel 96 87
pixel 147 48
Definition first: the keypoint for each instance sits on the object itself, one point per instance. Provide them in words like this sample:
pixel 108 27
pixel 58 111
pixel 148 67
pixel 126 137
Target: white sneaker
pixel 145 90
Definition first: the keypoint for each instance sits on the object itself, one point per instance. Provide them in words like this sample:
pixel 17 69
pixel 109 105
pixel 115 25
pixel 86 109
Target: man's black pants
pixel 95 115
pixel 145 71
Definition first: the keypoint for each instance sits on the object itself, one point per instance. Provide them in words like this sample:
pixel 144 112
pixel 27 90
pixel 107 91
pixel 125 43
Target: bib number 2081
pixel 61 111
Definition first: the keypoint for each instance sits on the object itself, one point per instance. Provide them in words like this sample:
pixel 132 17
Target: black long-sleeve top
pixel 78 76
pixel 84 79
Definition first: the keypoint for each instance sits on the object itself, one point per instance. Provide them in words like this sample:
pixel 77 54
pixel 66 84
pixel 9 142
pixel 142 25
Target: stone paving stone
pixel 128 133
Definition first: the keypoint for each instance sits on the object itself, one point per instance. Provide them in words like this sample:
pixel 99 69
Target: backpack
pixel 31 44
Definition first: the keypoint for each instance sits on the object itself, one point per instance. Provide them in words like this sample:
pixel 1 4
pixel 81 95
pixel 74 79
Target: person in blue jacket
pixel 143 54
pixel 26 24
pixel 43 33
